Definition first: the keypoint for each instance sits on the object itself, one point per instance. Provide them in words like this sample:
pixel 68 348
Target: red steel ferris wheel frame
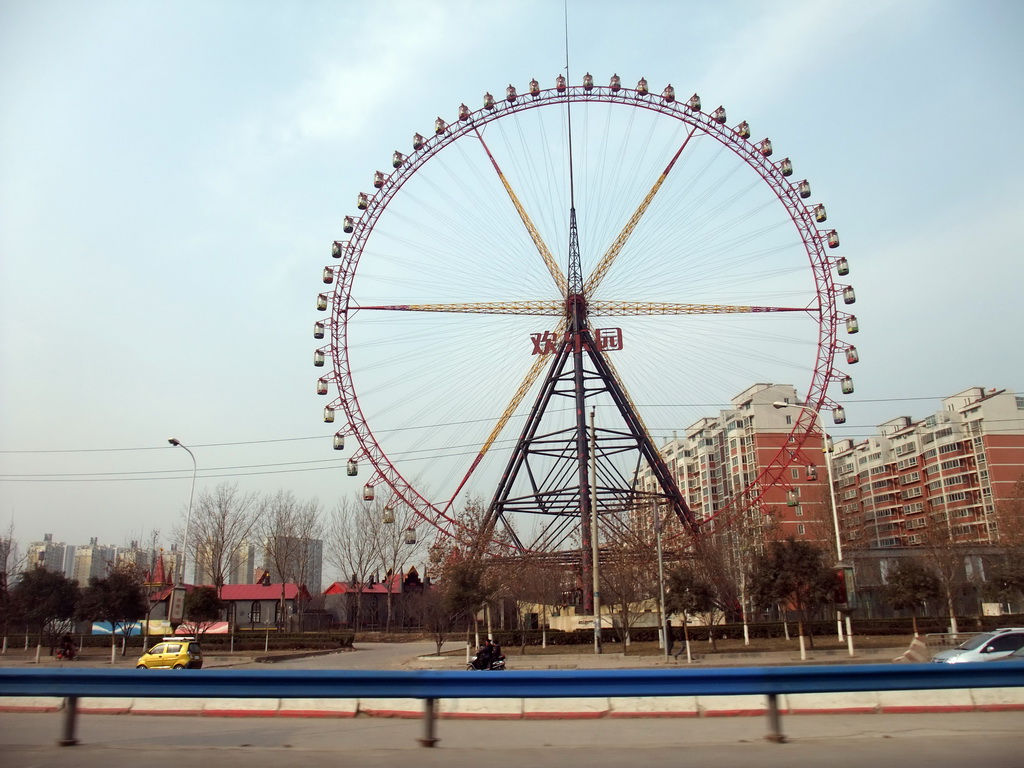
pixel 349 252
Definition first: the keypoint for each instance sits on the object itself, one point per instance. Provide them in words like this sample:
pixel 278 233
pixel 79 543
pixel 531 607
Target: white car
pixel 986 646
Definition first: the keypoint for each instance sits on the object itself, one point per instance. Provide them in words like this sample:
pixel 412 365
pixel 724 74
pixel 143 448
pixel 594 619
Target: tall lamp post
pixel 826 449
pixel 177 607
pixel 665 627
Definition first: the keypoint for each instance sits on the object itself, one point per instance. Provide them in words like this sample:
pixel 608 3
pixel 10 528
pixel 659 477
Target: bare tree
pixel 351 547
pixel 8 567
pixel 432 611
pixel 393 547
pixel 221 521
pixel 290 531
pixel 533 583
pixel 628 574
pixel 945 556
pixel 1009 571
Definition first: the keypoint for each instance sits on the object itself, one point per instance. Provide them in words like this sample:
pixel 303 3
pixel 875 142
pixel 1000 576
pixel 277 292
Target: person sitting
pixel 489 653
pixel 67 648
pixel 496 654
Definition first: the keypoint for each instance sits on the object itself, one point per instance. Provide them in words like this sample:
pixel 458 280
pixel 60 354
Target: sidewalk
pixel 619 660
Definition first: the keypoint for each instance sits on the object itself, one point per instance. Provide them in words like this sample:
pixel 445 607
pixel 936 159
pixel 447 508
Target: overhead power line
pixel 422 426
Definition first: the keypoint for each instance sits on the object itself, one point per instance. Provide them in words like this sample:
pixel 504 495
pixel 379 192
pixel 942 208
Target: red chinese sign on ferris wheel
pixel 546 343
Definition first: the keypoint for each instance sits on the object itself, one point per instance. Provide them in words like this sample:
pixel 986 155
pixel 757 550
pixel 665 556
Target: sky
pixel 172 176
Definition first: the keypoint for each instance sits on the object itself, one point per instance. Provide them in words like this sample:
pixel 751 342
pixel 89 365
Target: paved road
pixel 420 655
pixel 991 740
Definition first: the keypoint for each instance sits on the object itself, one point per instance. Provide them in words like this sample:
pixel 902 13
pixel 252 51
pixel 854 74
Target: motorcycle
pixel 478 664
pixel 66 654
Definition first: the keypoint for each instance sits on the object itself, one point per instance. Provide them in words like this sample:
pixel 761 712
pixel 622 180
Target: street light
pixel 826 449
pixel 665 626
pixel 188 519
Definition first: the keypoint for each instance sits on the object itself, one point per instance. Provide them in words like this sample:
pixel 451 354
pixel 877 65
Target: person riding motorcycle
pixel 488 653
pixel 67 648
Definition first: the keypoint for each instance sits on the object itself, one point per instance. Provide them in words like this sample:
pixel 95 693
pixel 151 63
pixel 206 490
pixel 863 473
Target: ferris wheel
pixel 540 290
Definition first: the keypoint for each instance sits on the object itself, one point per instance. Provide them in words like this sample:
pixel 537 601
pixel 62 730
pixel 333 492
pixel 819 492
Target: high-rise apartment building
pixel 52 555
pixel 239 564
pixel 719 460
pixel 301 558
pixel 92 561
pixel 950 469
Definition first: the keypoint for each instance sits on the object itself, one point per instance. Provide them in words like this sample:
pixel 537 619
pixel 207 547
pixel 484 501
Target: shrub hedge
pixel 244 641
pixel 926 625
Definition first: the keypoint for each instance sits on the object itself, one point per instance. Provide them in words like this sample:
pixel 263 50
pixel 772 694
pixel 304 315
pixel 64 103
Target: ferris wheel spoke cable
pixel 616 247
pixel 556 272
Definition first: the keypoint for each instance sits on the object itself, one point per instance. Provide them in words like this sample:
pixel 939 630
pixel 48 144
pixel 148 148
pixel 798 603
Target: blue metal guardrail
pixel 431 685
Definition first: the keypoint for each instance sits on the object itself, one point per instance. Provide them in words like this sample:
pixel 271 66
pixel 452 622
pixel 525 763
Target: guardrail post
pixel 428 739
pixel 70 715
pixel 774 720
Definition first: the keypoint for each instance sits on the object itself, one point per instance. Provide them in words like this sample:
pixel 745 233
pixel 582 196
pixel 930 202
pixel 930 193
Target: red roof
pixel 246 592
pixel 263 592
pixel 377 588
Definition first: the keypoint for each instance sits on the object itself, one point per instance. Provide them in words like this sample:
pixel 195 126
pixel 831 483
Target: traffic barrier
pixel 538 693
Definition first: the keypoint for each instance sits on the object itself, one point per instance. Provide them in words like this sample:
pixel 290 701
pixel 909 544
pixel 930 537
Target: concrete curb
pixel 881 702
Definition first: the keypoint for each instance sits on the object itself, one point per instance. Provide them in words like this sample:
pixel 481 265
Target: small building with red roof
pixel 364 604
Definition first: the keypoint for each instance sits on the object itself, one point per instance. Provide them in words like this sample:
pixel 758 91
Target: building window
pixel 799 530
pixel 256 612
